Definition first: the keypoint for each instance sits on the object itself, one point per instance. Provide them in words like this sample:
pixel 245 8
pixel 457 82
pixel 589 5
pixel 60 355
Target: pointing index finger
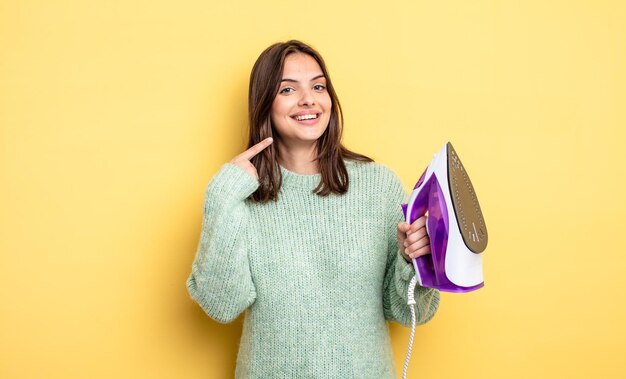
pixel 256 149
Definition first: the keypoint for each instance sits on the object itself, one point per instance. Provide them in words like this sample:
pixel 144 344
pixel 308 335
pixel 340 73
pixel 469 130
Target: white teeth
pixel 306 117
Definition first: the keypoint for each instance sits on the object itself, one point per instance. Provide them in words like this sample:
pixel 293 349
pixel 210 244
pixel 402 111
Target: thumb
pixel 403 227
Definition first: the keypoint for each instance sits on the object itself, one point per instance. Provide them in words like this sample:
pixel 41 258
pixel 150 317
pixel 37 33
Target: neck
pixel 300 159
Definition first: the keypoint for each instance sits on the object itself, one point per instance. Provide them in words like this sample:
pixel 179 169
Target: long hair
pixel 264 84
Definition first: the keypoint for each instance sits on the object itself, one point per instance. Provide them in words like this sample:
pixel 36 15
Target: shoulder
pixel 375 177
pixel 376 183
pixel 371 171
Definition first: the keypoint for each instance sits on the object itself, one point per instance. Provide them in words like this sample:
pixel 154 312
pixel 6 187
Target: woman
pixel 303 235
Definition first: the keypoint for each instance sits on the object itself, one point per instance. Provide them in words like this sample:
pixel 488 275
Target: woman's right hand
pixel 243 160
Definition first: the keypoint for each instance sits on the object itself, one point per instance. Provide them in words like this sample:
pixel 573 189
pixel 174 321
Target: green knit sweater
pixel 316 276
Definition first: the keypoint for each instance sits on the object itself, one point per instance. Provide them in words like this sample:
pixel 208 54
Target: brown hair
pixel 264 83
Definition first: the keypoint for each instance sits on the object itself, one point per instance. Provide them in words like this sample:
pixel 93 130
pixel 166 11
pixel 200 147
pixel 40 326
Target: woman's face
pixel 301 109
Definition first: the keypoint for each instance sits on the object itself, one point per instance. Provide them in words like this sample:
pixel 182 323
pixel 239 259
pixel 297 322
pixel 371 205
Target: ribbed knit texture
pixel 317 276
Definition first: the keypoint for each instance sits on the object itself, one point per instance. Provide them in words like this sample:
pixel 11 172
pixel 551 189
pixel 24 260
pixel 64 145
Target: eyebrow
pixel 295 81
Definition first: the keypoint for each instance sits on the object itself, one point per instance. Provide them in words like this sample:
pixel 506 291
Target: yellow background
pixel 114 115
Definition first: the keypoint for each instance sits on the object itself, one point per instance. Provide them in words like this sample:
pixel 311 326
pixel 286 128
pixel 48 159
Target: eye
pixel 286 90
pixel 319 87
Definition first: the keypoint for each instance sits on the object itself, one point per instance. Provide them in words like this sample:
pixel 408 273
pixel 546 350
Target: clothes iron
pixel 455 225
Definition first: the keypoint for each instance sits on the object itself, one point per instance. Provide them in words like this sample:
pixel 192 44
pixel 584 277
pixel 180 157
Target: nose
pixel 307 98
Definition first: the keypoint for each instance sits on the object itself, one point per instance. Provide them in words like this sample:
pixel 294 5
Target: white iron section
pixel 463 267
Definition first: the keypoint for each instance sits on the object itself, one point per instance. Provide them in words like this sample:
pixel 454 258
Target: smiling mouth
pixel 306 117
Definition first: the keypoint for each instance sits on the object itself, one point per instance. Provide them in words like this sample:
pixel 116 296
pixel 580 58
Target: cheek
pixel 328 106
pixel 281 107
pixel 328 103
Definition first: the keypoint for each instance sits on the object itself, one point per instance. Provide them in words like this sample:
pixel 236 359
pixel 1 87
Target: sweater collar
pixel 292 179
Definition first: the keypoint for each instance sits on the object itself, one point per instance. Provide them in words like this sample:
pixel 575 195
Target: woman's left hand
pixel 413 239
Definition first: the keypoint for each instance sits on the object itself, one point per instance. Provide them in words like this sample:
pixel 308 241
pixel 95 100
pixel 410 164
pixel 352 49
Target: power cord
pixel 411 303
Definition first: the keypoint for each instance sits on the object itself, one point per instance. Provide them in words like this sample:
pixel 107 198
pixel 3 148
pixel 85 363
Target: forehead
pixel 301 65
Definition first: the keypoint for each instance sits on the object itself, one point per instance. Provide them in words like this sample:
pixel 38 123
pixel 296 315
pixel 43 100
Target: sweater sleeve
pixel 399 272
pixel 220 279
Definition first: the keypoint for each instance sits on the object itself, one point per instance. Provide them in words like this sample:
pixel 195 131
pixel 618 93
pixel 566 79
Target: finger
pixel 420 252
pixel 405 256
pixel 401 235
pixel 417 224
pixel 254 150
pixel 414 237
pixel 403 227
pixel 415 246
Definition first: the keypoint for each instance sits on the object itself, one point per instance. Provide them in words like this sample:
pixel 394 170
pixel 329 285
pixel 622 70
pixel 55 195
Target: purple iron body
pixel 455 225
